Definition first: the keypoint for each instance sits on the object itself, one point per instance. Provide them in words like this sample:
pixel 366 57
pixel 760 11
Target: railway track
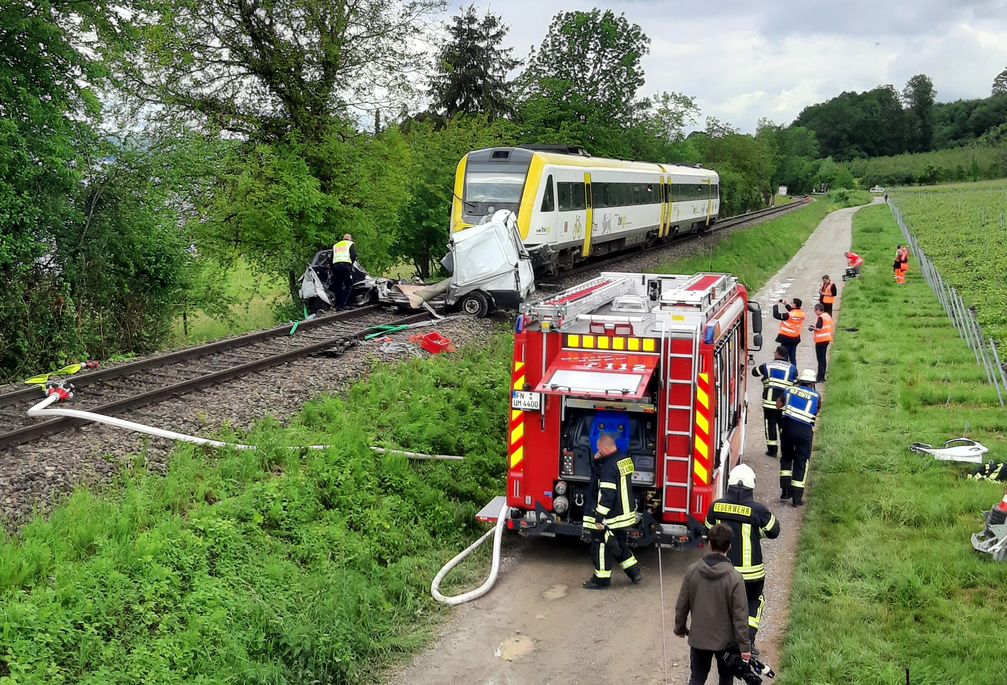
pixel 150 380
pixel 154 379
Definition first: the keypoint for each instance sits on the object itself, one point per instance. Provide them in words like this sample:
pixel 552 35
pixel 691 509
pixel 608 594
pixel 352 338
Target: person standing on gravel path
pixel 827 293
pixel 777 375
pixel 713 592
pixel 609 513
pixel 791 322
pixel 824 331
pixel 749 522
pixel 800 406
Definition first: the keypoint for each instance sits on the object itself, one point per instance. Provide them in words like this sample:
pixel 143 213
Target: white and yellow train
pixel 571 207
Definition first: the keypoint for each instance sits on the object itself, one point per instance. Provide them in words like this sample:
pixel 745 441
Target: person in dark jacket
pixel 713 592
pixel 749 522
pixel 777 375
pixel 791 318
pixel 609 513
pixel 344 254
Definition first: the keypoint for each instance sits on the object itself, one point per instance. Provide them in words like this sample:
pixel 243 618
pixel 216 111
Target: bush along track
pixel 267 566
pixel 886 578
pixel 755 254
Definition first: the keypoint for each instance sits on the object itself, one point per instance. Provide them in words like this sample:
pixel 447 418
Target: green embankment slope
pixel 886 578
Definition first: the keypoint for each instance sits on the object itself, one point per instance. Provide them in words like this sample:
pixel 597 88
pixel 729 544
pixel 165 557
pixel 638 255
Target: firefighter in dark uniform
pixel 800 406
pixel 777 375
pixel 750 522
pixel 609 513
pixel 344 254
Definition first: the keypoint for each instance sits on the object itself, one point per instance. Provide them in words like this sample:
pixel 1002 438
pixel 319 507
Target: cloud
pixel 747 60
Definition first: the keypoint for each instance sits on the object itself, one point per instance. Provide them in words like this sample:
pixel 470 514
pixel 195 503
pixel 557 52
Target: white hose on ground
pixel 497 533
pixel 43 409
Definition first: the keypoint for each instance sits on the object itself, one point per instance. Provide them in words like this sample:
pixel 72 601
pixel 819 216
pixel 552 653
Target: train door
pixel 589 224
pixel 709 199
pixel 665 208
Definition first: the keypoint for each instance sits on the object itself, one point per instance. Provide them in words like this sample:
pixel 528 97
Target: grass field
pixel 255 302
pixel 272 566
pixel 963 229
pixel 886 578
pixel 755 254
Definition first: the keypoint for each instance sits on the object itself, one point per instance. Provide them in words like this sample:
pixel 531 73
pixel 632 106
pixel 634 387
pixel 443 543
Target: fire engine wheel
pixel 475 304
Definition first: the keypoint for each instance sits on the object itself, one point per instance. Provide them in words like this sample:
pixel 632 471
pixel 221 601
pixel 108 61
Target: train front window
pixel 500 188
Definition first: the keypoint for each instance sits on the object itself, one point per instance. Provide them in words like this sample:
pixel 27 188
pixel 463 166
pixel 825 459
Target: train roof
pixel 560 159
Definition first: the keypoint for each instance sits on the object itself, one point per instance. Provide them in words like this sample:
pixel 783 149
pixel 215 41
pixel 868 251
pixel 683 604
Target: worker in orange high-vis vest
pixel 825 331
pixel 827 293
pixel 791 320
pixel 901 262
pixel 905 261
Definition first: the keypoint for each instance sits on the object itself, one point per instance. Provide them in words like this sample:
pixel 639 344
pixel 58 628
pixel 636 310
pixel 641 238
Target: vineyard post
pixel 987 360
pixel 1000 368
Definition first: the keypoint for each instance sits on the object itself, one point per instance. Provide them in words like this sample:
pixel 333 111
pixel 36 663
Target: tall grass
pixel 271 566
pixel 886 578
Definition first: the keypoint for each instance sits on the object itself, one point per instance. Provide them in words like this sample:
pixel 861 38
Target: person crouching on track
pixel 714 593
pixel 800 406
pixel 777 375
pixel 824 331
pixel 344 253
pixel 749 522
pixel 791 321
pixel 609 513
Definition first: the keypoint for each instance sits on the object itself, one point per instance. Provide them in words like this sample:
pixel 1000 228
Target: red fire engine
pixel 657 360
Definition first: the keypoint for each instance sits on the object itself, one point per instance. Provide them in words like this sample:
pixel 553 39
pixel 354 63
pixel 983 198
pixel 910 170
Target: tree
pixel 1000 84
pixel 435 152
pixel 268 69
pixel 581 84
pixel 853 125
pixel 472 67
pixel 919 96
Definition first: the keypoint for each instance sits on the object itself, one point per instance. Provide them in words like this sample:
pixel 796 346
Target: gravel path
pixel 38 474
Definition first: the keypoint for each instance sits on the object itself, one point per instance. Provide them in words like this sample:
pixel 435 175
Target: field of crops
pixel 938 166
pixel 963 229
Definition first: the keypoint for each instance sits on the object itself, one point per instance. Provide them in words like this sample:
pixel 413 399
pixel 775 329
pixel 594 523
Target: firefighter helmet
pixel 808 376
pixel 742 474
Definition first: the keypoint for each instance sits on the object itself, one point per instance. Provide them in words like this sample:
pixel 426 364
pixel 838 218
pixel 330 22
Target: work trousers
pixel 821 351
pixel 828 307
pixel 756 603
pixel 342 284
pixel 790 344
pixel 606 545
pixel 771 423
pixel 795 453
pixel 702 660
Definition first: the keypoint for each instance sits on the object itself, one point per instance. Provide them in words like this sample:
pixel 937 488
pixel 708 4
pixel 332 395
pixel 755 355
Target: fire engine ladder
pixel 680 372
pixel 584 298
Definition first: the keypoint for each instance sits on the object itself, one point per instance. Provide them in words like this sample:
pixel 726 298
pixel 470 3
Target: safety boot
pixel 595 584
pixel 634 575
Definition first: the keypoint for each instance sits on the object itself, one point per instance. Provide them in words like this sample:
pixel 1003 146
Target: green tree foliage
pixel 1000 84
pixel 434 152
pixel 965 121
pixel 581 84
pixel 472 67
pixel 746 165
pixel 853 125
pixel 88 255
pixel 956 164
pixel 919 95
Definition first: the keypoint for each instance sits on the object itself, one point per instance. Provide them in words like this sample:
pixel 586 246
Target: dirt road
pixel 539 626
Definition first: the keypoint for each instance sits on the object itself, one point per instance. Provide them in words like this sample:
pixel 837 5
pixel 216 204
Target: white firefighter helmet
pixel 808 376
pixel 743 475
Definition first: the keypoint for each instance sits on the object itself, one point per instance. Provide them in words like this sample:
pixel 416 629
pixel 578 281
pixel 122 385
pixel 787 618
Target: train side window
pixel 549 199
pixel 571 197
pixel 601 194
pixel 579 197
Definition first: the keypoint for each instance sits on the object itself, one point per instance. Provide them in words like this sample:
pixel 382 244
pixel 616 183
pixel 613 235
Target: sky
pixel 746 60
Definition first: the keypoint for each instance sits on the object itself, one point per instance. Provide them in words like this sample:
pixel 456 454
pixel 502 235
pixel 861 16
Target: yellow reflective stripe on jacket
pixel 752 572
pixel 608 486
pixel 341 252
pixel 769 525
pixel 746 544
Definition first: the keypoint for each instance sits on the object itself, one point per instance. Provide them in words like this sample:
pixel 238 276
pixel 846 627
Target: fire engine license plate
pixel 528 401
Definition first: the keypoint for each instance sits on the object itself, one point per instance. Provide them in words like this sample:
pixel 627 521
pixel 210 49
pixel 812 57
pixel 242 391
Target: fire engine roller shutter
pixel 598 374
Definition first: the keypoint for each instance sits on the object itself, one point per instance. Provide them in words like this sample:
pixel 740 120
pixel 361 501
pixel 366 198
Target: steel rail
pixel 37 430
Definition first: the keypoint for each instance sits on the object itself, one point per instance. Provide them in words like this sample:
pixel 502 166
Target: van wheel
pixel 475 304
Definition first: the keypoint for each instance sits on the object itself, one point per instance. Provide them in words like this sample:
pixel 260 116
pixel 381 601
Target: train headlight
pixel 560 487
pixel 561 505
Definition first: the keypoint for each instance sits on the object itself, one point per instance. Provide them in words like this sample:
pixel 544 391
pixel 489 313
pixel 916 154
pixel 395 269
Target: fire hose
pixel 497 533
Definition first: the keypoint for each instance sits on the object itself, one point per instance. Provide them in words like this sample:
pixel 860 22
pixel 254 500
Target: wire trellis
pixel 964 317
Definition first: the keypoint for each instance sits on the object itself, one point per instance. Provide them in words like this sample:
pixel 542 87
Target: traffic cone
pixel 998 514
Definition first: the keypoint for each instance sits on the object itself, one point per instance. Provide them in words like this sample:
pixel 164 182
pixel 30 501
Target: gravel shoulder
pixel 539 626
